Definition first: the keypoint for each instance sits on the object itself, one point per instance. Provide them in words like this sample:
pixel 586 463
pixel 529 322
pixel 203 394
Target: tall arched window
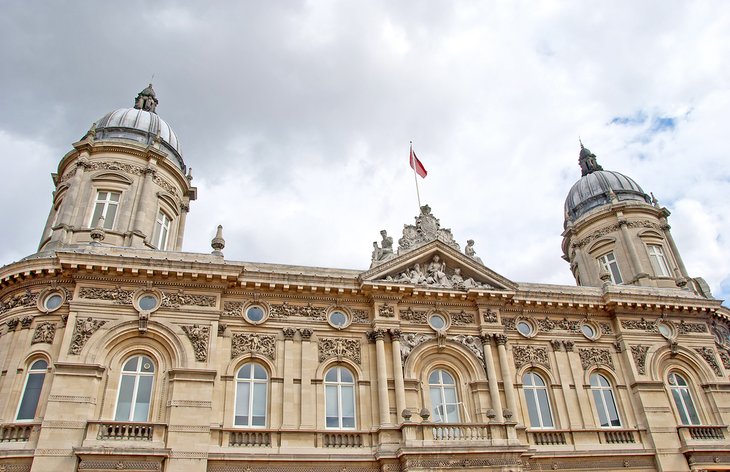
pixel 444 400
pixel 252 384
pixel 538 402
pixel 683 399
pixel 32 390
pixel 339 393
pixel 605 401
pixel 135 389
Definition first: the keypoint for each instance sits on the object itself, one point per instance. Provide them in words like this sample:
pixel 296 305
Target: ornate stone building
pixel 119 352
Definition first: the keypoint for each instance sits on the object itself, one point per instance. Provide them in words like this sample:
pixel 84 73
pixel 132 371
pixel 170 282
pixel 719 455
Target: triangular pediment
pixel 437 265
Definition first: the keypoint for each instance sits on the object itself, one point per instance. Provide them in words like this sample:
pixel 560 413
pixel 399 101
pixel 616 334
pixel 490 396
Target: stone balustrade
pixel 16 432
pixel 701 435
pixel 442 434
pixel 125 431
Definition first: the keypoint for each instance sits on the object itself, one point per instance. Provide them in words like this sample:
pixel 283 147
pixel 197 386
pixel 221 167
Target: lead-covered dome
pixel 142 125
pixel 599 187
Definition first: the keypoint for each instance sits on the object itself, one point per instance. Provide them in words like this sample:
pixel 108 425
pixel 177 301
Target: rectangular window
pixel 106 205
pixel 608 261
pixel 162 230
pixel 658 261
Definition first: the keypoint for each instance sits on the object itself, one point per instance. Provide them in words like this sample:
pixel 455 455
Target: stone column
pixel 629 243
pixel 145 200
pixel 70 201
pixel 492 378
pixel 184 209
pixel 383 404
pixel 509 386
pixel 308 365
pixel 400 389
pixel 288 407
pixel 675 252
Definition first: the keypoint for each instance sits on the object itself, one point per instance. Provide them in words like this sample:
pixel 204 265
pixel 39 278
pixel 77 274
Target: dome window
pixel 609 264
pixel 105 206
pixel 162 231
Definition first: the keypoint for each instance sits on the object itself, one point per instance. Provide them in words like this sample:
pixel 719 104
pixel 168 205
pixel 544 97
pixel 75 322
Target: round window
pixel 338 319
pixel 524 328
pixel 53 301
pixel 147 302
pixel 255 314
pixel 588 331
pixel 665 330
pixel 437 321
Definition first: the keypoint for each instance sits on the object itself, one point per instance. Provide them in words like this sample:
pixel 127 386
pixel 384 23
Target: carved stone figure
pixel 339 347
pixel 179 298
pixel 530 355
pixel 426 229
pixel 469 251
pixel 386 311
pixel 409 341
pixel 639 355
pixel 198 337
pixel 595 356
pixel 116 295
pixel 383 252
pixel 473 344
pixel 242 343
pixel 44 333
pixel 83 330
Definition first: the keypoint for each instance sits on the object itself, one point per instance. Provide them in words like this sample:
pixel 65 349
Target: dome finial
pixel 587 160
pixel 146 100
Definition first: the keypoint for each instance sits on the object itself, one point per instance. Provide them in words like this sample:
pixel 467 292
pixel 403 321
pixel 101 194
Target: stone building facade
pixel 119 352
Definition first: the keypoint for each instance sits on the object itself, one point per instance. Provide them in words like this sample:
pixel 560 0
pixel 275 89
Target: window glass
pixel 105 205
pixel 524 328
pixel 444 398
pixel 658 261
pixel 437 321
pixel 53 301
pixel 255 313
pixel 135 390
pixel 611 266
pixel 252 385
pixel 605 401
pixel 587 331
pixel 32 391
pixel 537 400
pixel 147 302
pixel 683 399
pixel 162 229
pixel 339 389
pixel 338 319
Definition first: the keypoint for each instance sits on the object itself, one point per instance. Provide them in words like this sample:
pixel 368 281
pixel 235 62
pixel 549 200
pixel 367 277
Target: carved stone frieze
pixel 409 341
pixel 427 229
pixel 360 316
pixel 26 321
pixel 44 333
pixel 509 324
pixel 605 328
pixel 436 274
pixel 24 299
pixel 233 309
pixel 386 311
pixel 642 324
pixel 595 356
pixel 413 316
pixel 489 316
pixel 461 318
pixel 180 298
pixel 116 295
pixel 639 355
pixel 473 344
pixel 684 328
pixel 725 358
pixel 308 311
pixel 198 336
pixel 530 355
pixel 263 344
pixel 546 325
pixel 339 348
pixel 118 465
pixel 708 354
pixel 606 230
pixel 721 332
pixel 165 184
pixel 83 330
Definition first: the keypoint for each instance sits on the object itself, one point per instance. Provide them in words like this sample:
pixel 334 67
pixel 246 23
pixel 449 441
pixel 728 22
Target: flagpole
pixel 415 177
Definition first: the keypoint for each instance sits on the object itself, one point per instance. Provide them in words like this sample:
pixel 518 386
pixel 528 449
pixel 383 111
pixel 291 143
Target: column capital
pixel 486 339
pixel 288 333
pixel 306 333
pixel 501 339
pixel 395 334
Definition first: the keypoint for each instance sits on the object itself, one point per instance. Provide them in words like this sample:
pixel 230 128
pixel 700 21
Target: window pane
pixel 680 407
pixel 693 418
pixel 98 210
pixel 348 422
pixel 242 397
pixel 433 379
pixel 31 395
pixel 114 196
pixel 111 212
pixel 331 401
pixel 436 404
pixel 611 406
pixel 348 401
pixel 39 365
pixel 147 365
pixel 331 375
pixel 259 372
pixel 124 403
pixel 345 375
pixel 542 398
pixel 600 407
pixel 144 394
pixel 532 408
pixel 245 372
pixel 259 399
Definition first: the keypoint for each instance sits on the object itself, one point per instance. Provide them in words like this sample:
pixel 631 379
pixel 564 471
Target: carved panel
pixel 360 316
pixel 708 354
pixel 179 298
pixel 24 299
pixel 118 465
pixel 233 309
pixel 685 328
pixel 165 184
pixel 413 316
pixel 509 324
pixel 605 328
pixel 286 310
pixel 473 344
pixel 462 318
pixel 530 355
pixel 116 295
pixel 83 330
pixel 595 356
pixel 642 324
pixel 547 325
pixel 725 358
pixel 44 333
pixel 489 316
pixel 639 355
pixel 339 347
pixel 410 340
pixel 386 311
pixel 436 274
pixel 263 344
pixel 198 336
pixel 606 230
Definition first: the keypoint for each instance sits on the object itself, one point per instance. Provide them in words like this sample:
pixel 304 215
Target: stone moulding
pixel 83 329
pixel 339 348
pixel 639 355
pixel 595 356
pixel 530 355
pixel 198 336
pixel 263 344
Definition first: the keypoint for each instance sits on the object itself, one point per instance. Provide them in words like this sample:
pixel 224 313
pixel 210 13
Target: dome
pixel 142 127
pixel 594 190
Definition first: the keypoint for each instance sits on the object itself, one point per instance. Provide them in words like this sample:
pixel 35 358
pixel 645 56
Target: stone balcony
pixel 583 439
pixel 710 437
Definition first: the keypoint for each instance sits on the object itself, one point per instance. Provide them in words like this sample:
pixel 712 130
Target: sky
pixel 296 118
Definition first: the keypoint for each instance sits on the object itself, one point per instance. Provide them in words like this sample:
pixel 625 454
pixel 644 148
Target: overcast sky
pixel 296 116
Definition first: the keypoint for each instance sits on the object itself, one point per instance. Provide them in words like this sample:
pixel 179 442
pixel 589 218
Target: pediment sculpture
pixel 435 274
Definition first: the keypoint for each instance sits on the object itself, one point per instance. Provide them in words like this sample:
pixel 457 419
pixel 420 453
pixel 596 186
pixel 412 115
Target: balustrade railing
pixel 125 431
pixel 620 436
pixel 342 439
pixel 460 432
pixel 16 432
pixel 547 438
pixel 249 438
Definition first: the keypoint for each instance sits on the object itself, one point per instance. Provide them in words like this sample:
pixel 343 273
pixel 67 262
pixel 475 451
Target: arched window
pixel 252 384
pixel 682 399
pixel 605 401
pixel 135 389
pixel 32 391
pixel 444 400
pixel 339 398
pixel 538 402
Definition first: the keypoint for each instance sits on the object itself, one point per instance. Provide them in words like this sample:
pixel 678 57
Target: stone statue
pixel 383 252
pixel 436 272
pixel 376 252
pixel 469 251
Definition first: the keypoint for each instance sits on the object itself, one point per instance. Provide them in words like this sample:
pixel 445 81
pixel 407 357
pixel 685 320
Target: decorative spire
pixel 587 160
pixel 146 100
pixel 218 243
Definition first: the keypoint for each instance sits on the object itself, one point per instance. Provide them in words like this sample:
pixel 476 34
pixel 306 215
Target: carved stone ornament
pixel 684 328
pixel 386 311
pixel 413 316
pixel 44 333
pixel 12 323
pixel 489 316
pixel 568 345
pixel 435 274
pixel 289 332
pixel 360 316
pixel 595 356
pixel 180 298
pixel 555 344
pixel 509 324
pixel 530 355
pixel 473 344
pixel 639 355
pixel 383 252
pixel 305 333
pixel 547 325
pixel 606 230
pixel 725 358
pixel 308 311
pixel 126 168
pixel 83 330
pixel 198 336
pixel 409 341
pixel 24 299
pixel 222 329
pixel 263 344
pixel 117 295
pixel 427 229
pixel 642 324
pixel 462 318
pixel 708 354
pixel 26 321
pixel 721 332
pixel 339 348
pixel 605 328
pixel 233 309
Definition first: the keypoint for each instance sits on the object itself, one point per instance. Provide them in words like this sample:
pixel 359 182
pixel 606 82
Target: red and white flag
pixel 416 164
